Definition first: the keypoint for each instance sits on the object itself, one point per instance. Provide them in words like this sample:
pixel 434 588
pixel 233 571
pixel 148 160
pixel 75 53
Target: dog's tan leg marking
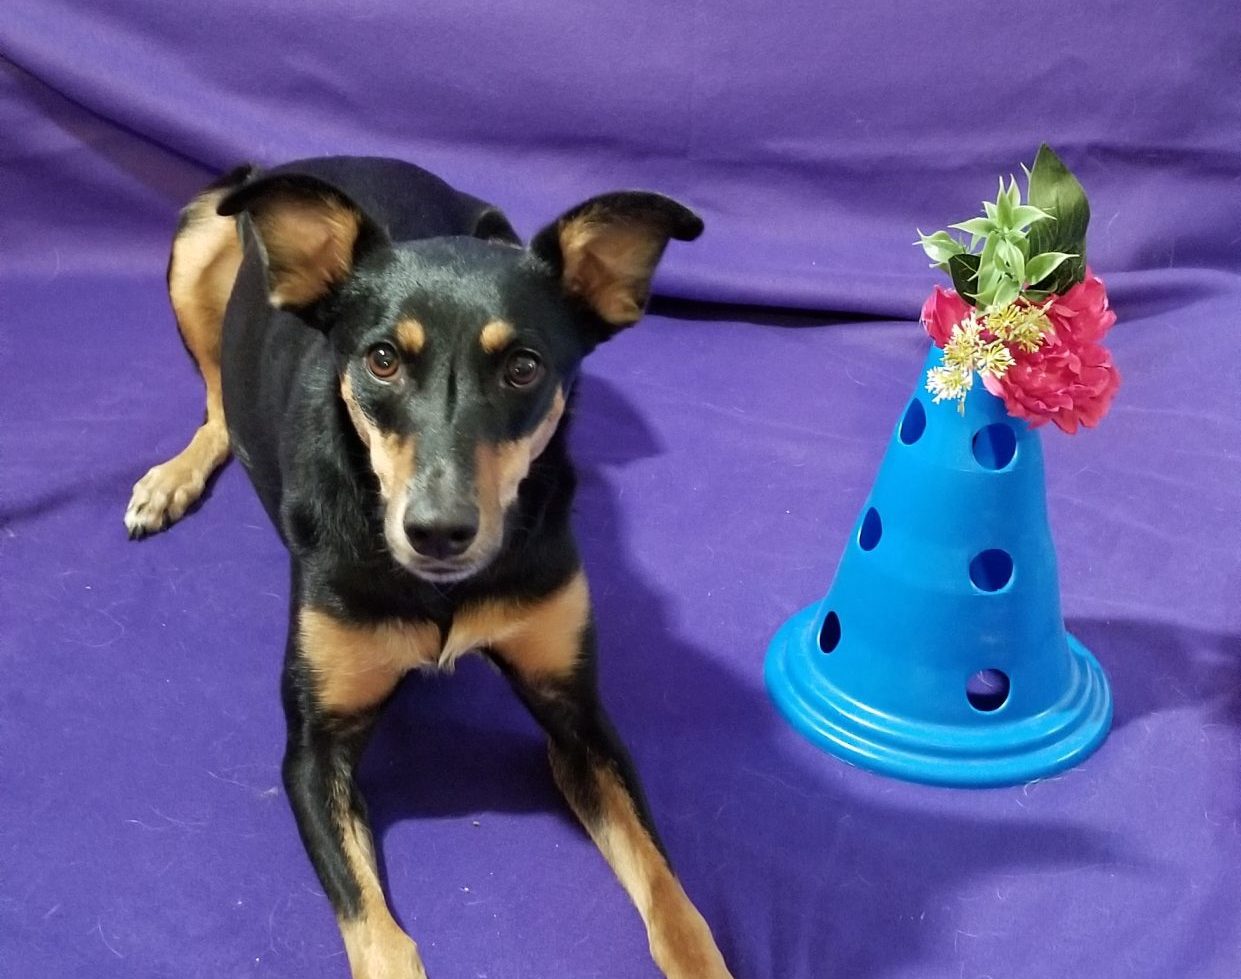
pixel 680 940
pixel 205 257
pixel 543 646
pixel 354 669
pixel 376 945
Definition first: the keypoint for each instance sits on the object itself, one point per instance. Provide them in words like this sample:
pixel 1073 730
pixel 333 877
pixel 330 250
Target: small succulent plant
pixel 1031 250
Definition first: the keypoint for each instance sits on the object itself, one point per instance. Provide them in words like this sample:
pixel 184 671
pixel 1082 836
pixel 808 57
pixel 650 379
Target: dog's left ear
pixel 605 250
pixel 313 234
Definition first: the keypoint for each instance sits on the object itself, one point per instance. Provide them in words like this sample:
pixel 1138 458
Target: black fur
pixel 454 263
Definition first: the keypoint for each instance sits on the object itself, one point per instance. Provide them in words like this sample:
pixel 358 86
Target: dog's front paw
pixel 384 953
pixel 162 496
pixel 683 948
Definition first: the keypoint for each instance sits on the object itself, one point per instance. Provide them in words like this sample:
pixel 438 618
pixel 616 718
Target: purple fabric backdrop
pixel 143 831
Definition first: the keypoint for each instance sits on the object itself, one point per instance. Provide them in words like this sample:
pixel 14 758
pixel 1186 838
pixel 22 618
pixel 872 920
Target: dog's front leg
pixel 550 662
pixel 332 691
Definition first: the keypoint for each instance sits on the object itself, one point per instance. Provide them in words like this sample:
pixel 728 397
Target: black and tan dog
pixel 392 368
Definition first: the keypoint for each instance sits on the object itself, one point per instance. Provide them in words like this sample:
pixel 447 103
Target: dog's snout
pixel 442 535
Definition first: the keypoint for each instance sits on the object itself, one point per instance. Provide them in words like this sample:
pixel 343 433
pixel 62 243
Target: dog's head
pixel 455 355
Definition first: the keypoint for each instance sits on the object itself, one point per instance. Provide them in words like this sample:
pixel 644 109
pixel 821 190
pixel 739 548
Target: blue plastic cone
pixel 940 654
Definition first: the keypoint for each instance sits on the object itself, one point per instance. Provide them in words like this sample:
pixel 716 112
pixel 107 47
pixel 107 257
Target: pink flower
pixel 1070 379
pixel 1083 310
pixel 942 310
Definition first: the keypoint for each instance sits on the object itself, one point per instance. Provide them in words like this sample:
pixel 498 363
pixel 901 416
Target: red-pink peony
pixel 1083 310
pixel 942 310
pixel 1070 379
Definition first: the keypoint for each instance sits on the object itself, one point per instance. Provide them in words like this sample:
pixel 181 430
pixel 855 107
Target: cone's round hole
pixel 829 635
pixel 987 690
pixel 914 422
pixel 995 445
pixel 991 570
pixel 872 530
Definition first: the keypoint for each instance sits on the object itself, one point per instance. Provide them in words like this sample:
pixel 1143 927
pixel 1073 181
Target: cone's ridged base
pixel 993 752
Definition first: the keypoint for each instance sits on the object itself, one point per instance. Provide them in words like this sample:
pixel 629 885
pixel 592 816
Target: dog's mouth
pixel 443 572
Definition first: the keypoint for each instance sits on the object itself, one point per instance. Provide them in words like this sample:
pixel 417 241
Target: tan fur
pixel 376 945
pixel 392 456
pixel 206 255
pixel 410 336
pixel 609 264
pixel 500 468
pixel 309 244
pixel 680 940
pixel 496 335
pixel 544 643
pixel 378 949
pixel 356 667
pixel 539 639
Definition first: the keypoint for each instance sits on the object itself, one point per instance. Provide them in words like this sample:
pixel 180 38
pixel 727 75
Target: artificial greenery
pixel 1031 250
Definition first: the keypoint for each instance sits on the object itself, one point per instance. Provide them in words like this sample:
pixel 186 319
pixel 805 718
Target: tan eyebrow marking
pixel 496 335
pixel 411 336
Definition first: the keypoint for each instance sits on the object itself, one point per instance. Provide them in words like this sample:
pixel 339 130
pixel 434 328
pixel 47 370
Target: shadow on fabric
pixel 1196 667
pixel 173 178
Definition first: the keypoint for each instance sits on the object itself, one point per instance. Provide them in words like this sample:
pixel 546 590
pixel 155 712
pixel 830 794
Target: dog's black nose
pixel 443 537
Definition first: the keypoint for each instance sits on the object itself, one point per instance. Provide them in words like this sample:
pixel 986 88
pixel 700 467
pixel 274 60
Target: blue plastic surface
pixel 939 654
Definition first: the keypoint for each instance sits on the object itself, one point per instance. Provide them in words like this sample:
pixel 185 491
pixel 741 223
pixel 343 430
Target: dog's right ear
pixel 313 235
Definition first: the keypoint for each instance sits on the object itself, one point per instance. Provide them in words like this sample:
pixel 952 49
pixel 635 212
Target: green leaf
pixel 986 260
pixel 1027 215
pixel 1006 291
pixel 940 247
pixel 1056 191
pixel 1014 195
pixel 1041 266
pixel 988 279
pixel 1013 261
pixel 975 226
pixel 964 269
pixel 1003 208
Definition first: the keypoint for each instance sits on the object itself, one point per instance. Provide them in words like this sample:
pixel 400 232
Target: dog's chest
pixel 356 666
pixel 474 629
pixel 407 645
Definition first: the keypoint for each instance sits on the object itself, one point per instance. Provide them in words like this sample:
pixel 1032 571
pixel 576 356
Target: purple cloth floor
pixel 724 456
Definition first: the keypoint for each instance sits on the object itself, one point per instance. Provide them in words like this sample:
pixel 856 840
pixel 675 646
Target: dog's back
pixel 406 201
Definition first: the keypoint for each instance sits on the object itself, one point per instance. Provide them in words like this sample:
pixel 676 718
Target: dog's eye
pixel 523 368
pixel 383 361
